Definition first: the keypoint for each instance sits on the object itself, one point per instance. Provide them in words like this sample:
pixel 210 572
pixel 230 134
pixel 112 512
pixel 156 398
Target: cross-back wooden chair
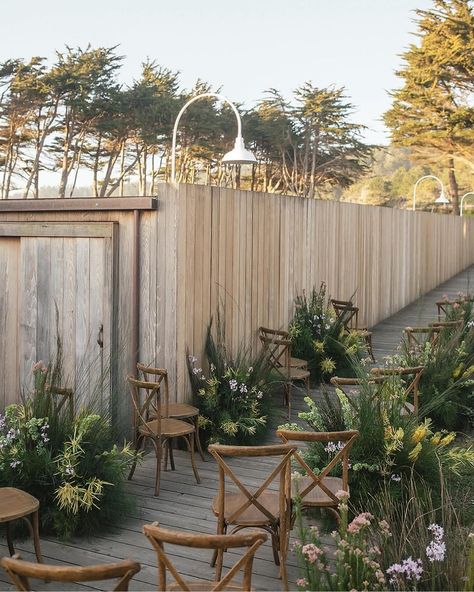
pixel 265 332
pixel 412 376
pixel 249 542
pixel 258 507
pixel 319 490
pixel 21 571
pixel 417 337
pixel 151 423
pixel 183 411
pixel 349 316
pixel 344 382
pixel 62 397
pixel 444 305
pixel 278 351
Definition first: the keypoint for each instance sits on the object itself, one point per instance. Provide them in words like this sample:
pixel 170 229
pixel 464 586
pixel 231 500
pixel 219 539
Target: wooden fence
pixel 201 246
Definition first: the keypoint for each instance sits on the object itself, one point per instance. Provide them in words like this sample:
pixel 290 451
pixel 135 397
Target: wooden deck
pixel 183 504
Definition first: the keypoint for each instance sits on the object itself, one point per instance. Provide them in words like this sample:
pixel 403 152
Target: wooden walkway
pixel 183 504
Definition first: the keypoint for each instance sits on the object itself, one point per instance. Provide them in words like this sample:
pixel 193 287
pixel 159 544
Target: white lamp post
pixel 441 199
pixel 462 199
pixel 238 155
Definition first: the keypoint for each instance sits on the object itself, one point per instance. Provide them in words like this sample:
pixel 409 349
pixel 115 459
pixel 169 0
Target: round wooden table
pixel 15 504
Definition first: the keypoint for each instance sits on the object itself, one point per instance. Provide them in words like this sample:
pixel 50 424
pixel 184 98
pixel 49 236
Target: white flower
pixel 395 478
pixel 233 384
pixel 259 395
pixel 192 359
pixel 197 370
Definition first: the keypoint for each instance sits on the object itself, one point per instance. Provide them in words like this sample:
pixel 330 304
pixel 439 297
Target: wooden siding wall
pixel 253 252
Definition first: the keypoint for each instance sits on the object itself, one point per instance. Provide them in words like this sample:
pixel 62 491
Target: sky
pixel 244 46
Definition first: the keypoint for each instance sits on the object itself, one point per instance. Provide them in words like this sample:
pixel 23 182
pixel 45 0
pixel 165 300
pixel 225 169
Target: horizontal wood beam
pixel 58 229
pixel 79 204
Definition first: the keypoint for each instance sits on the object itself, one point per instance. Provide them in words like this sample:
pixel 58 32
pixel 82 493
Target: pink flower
pixel 359 522
pixel 301 582
pixel 342 495
pixel 311 552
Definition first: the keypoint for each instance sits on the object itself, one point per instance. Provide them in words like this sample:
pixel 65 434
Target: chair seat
pixel 298 363
pixel 318 497
pixel 179 411
pixel 252 516
pixel 15 503
pixel 299 374
pixel 170 428
pixel 202 586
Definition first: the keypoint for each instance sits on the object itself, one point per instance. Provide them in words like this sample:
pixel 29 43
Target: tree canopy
pixel 73 115
pixel 433 111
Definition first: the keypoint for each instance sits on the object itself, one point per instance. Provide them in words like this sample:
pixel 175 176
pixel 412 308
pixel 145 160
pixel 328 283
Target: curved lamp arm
pixel 183 109
pixel 421 179
pixel 462 199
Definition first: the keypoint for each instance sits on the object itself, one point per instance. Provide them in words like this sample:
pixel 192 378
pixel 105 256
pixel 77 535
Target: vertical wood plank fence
pixel 202 246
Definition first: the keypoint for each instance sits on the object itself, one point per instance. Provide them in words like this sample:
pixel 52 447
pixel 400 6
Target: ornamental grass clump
pixel 318 336
pixel 447 383
pixel 234 396
pixel 391 445
pixel 69 461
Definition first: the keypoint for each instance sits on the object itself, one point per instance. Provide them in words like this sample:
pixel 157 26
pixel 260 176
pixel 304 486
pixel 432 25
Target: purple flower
pixel 410 569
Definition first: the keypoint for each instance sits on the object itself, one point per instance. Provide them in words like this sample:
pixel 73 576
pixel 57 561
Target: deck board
pixel 183 504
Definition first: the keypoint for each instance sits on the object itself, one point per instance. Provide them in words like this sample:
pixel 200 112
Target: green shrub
pixel 235 396
pixel 318 336
pixel 447 383
pixel 69 462
pixel 390 446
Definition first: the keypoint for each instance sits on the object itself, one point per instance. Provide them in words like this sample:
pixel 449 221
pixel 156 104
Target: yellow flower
pixel 458 370
pixel 468 372
pixel 318 346
pixel 419 434
pixel 448 439
pixel 435 440
pixel 328 365
pixel 415 453
pixel 399 434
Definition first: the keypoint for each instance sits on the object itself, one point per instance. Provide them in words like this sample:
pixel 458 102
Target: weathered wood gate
pixel 57 281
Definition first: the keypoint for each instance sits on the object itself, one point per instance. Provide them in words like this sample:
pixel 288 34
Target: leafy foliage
pixel 318 336
pixel 391 446
pixel 70 463
pixel 447 383
pixel 234 399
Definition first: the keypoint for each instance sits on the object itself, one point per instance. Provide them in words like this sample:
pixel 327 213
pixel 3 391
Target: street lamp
pixel 465 195
pixel 238 155
pixel 441 199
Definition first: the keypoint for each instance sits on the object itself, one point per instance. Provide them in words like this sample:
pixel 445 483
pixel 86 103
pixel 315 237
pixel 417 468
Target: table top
pixel 15 503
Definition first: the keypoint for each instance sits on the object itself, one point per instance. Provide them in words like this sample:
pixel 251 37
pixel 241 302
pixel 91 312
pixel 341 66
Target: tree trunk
pixel 453 187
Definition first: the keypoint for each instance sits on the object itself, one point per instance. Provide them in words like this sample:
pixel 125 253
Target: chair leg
pixel 33 527
pixel 11 548
pixel 170 450
pixel 158 452
pixel 368 339
pixel 288 396
pixel 138 446
pixel 275 547
pixel 190 444
pixel 197 438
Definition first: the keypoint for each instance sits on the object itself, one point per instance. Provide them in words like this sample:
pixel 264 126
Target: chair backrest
pixel 347 438
pixel 445 305
pixel 60 397
pixel 146 399
pixel 19 571
pixel 159 375
pixel 277 348
pixel 411 387
pixel 418 336
pixel 347 313
pixel 250 542
pixel 253 498
pixel 341 382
